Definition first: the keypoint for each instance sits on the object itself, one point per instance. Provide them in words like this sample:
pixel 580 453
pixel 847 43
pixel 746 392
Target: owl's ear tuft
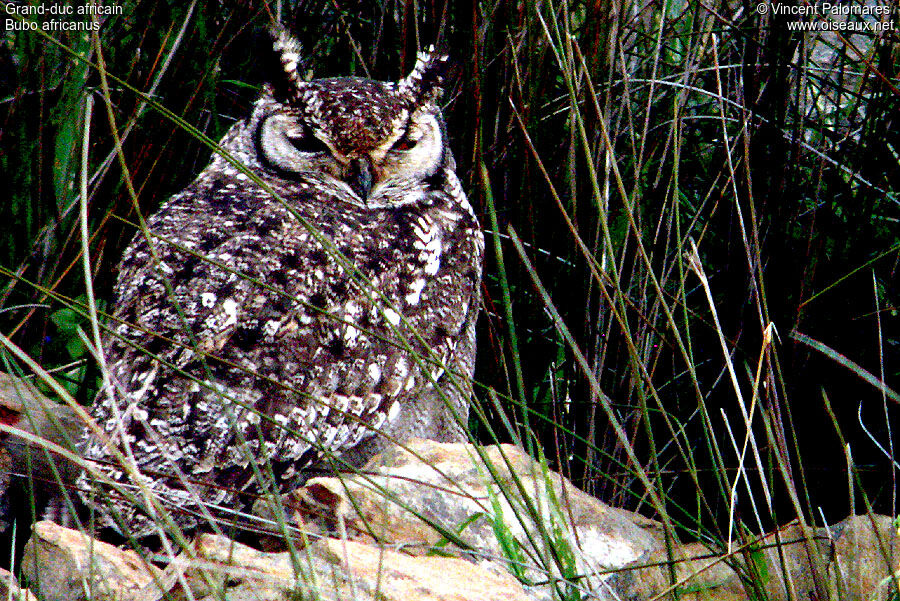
pixel 426 82
pixel 287 79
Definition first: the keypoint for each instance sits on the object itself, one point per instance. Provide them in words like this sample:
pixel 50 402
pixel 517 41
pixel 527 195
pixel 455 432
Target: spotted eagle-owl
pixel 263 328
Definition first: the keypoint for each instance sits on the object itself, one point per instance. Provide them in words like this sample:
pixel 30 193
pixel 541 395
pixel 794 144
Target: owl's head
pixel 368 135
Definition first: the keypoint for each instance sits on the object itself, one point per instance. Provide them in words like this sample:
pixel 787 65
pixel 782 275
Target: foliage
pixel 600 141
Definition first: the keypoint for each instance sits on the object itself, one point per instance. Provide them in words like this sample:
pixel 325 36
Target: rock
pixel 10 589
pixel 795 562
pixel 866 555
pixel 503 507
pixel 699 574
pixel 433 493
pixel 22 406
pixel 401 577
pixel 332 569
pixel 433 523
pixel 856 565
pixel 66 565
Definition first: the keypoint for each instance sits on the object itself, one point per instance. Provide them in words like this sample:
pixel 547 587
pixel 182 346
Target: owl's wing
pixel 181 288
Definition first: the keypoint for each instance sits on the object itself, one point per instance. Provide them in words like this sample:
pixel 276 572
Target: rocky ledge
pixel 457 522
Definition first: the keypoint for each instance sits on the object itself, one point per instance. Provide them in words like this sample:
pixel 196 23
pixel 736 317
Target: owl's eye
pixel 291 146
pixel 304 140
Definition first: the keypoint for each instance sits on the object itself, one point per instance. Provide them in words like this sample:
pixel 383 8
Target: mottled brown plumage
pixel 254 335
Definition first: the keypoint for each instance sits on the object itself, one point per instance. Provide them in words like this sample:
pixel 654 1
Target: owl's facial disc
pixel 409 155
pixel 292 147
pixel 416 153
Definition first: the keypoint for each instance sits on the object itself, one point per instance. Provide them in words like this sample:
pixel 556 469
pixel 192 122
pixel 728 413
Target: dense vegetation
pixel 660 183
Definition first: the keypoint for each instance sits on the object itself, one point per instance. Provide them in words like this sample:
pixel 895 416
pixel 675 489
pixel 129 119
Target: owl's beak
pixel 360 176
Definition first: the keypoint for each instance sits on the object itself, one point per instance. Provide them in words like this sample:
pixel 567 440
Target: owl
pixel 310 297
